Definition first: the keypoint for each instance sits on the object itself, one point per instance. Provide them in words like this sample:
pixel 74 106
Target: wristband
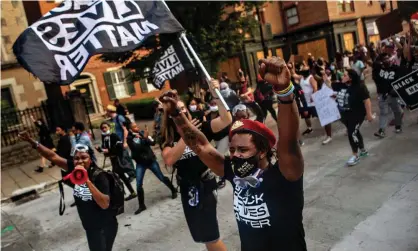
pixel 36 145
pixel 288 93
pixel 284 90
pixel 287 102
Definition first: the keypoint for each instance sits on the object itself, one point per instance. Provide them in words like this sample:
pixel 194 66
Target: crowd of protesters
pixel 203 139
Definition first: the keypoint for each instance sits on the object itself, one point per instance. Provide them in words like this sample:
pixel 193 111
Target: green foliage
pixel 215 34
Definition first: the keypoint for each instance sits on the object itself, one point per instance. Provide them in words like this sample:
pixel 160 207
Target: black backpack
pixel 116 189
pixel 127 122
pixel 117 192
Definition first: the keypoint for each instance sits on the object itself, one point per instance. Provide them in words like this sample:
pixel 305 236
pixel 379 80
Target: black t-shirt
pixel 189 167
pixel 383 77
pixel 141 149
pixel 92 216
pixel 210 135
pixel 351 98
pixel 64 147
pixel 269 217
pixel 198 115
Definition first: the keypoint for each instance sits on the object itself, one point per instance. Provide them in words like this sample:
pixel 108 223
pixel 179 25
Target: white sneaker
pixel 327 140
pixel 353 160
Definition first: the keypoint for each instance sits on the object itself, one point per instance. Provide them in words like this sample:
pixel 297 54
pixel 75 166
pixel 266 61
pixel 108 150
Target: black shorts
pixel 201 218
pixel 311 112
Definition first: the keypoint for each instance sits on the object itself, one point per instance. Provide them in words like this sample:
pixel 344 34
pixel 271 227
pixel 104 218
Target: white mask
pixel 193 108
pixel 213 108
pixel 106 132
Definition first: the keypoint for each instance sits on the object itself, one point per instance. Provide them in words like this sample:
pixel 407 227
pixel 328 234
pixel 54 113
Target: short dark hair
pixel 355 78
pixel 63 127
pixel 116 100
pixel 79 126
pixel 104 123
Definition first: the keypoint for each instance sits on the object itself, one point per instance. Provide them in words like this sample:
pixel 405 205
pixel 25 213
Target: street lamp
pixel 260 25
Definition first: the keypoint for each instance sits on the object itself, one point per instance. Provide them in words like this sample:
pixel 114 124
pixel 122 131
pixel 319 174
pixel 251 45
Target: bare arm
pixel 314 84
pixel 45 152
pixel 172 154
pixel 290 156
pixel 101 199
pixel 198 142
pixel 224 119
pixel 368 106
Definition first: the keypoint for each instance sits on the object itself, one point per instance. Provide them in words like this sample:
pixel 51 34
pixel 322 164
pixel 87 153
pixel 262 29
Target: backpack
pixel 116 189
pixel 127 123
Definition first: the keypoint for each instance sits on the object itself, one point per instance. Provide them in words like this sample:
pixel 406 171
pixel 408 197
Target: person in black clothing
pixel 120 109
pixel 274 192
pixel 92 198
pixel 45 139
pixel 266 103
pixel 195 109
pixel 197 183
pixel 112 147
pixel 384 73
pixel 140 145
pixel 353 100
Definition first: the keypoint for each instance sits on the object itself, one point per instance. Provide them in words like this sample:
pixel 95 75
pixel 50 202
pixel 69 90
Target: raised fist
pixel 169 99
pixel 275 72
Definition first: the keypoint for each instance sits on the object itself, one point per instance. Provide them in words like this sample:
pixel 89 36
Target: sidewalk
pixel 19 180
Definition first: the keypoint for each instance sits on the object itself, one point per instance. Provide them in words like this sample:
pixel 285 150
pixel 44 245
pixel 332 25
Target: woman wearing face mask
pixel 140 145
pixel 45 139
pixel 197 183
pixel 93 198
pixel 112 147
pixel 274 191
pixel 195 110
pixel 354 103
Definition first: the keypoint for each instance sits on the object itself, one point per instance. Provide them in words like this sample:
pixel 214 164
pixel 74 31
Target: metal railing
pixel 14 121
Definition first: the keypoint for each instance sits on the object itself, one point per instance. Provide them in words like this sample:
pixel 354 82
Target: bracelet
pixel 36 145
pixel 282 95
pixel 287 102
pixel 284 90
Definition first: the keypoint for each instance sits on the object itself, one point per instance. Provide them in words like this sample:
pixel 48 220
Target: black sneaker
pixel 39 169
pixel 307 131
pixel 221 184
pixel 130 197
pixel 398 130
pixel 381 134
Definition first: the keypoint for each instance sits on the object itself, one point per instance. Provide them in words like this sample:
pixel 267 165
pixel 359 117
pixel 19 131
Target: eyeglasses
pixel 81 148
pixel 253 181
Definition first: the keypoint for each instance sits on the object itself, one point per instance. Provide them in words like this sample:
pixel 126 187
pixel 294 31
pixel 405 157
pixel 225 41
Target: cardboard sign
pixel 325 106
pixel 389 24
pixel 407 89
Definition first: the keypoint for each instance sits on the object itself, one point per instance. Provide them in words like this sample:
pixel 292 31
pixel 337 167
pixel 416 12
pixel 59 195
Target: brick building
pixel 19 89
pixel 99 82
pixel 318 27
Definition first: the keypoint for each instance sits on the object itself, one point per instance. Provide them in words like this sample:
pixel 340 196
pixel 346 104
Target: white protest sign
pixel 325 106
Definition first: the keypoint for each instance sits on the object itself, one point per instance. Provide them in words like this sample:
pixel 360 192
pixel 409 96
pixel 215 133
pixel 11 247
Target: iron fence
pixel 14 121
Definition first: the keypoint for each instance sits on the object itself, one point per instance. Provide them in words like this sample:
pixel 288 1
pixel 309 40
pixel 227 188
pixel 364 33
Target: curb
pixel 36 189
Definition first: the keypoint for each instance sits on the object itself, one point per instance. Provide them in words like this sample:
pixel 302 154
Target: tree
pixel 215 29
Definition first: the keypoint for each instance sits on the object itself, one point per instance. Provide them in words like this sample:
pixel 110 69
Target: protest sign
pixel 407 89
pixel 325 106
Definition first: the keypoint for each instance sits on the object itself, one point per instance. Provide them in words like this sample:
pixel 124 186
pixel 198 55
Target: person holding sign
pixel 354 103
pixel 268 193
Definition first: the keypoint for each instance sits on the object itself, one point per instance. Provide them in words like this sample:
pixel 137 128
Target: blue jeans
pixel 140 173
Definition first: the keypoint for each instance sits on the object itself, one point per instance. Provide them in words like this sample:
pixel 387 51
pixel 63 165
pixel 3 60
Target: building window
pixel 292 16
pixel 369 2
pixel 119 84
pixel 345 6
pixel 6 98
pixel 3 22
pixel 6 39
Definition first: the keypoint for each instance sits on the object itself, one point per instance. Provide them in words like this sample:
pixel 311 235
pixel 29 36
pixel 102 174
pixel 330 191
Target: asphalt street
pixel 371 206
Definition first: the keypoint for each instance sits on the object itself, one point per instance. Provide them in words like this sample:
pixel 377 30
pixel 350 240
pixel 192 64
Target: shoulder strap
pixel 62 200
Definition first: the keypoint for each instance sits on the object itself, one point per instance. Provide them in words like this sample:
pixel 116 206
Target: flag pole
pixel 201 66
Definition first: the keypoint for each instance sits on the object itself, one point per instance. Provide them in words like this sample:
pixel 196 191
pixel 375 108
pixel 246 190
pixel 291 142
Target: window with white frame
pixel 119 84
pixel 292 16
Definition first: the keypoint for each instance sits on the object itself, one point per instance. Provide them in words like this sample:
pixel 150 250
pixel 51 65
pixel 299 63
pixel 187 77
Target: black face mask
pixel 161 109
pixel 305 73
pixel 244 167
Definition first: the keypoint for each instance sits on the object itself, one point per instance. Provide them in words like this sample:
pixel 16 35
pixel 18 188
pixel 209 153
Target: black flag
pixel 58 46
pixel 174 61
